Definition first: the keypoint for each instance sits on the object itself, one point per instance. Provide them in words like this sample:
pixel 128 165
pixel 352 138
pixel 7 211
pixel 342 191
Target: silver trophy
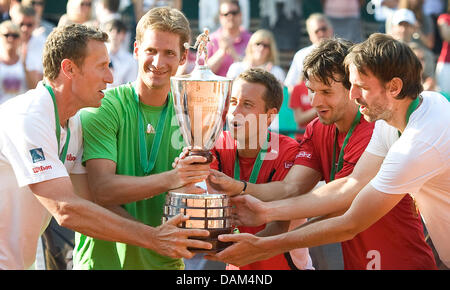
pixel 201 101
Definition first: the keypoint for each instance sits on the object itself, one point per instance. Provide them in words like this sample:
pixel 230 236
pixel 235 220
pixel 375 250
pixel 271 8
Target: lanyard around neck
pixel 412 107
pixel 340 164
pixel 148 162
pixel 256 167
pixel 63 154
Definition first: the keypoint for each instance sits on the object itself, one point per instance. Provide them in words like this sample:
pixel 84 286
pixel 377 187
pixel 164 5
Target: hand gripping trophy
pixel 201 101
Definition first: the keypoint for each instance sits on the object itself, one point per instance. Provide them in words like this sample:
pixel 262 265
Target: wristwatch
pixel 245 187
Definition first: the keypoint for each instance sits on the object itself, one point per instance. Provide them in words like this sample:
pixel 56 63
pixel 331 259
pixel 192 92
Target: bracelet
pixel 245 187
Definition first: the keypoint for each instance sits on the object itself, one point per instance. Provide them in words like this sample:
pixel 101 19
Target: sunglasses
pixel 321 29
pixel 29 25
pixel 87 4
pixel 234 13
pixel 36 3
pixel 265 45
pixel 13 35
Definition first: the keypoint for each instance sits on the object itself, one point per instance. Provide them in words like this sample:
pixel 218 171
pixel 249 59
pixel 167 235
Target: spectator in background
pixel 428 81
pixel 443 63
pixel 43 26
pixel 318 27
pixel 4 10
pixel 282 17
pixel 423 28
pixel 32 47
pixel 12 69
pixel 77 11
pixel 382 10
pixel 124 65
pixel 228 43
pixel 208 12
pixel 434 8
pixel 261 52
pixel 106 10
pixel 402 29
pixel 300 103
pixel 345 16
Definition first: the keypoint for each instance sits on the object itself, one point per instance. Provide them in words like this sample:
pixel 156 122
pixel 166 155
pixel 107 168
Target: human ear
pixel 67 68
pixel 394 87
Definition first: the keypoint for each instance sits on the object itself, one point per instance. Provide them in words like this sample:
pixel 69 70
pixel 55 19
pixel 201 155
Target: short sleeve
pixel 100 126
pixel 286 160
pixel 382 138
pixel 32 150
pixel 307 154
pixel 407 166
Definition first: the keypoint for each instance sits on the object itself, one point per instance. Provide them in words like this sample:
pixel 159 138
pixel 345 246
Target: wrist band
pixel 245 187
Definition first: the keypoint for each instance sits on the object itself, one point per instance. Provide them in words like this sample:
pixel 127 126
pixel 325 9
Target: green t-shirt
pixel 111 132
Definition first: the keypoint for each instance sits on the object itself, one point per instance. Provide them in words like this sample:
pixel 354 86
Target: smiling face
pixel 159 56
pixel 330 101
pixel 92 75
pixel 248 115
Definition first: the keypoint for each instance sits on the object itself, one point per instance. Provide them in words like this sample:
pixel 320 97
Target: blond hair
pixel 257 36
pixel 165 19
pixel 8 24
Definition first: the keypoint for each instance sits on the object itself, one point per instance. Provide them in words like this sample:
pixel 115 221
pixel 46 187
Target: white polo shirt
pixel 419 163
pixel 29 154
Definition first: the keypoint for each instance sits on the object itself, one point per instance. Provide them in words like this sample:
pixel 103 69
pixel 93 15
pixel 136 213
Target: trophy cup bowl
pixel 201 101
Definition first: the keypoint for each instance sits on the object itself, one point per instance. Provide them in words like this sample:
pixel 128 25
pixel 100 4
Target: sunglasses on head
pixel 234 13
pixel 13 35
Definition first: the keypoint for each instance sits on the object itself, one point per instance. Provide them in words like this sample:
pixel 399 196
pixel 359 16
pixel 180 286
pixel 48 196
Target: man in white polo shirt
pixel 41 144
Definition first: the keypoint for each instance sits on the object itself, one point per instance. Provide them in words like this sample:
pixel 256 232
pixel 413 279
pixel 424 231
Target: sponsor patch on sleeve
pixel 303 154
pixel 37 155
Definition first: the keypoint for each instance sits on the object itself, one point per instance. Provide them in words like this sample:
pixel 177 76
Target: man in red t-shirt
pixel 250 153
pixel 300 103
pixel 331 146
pixel 443 62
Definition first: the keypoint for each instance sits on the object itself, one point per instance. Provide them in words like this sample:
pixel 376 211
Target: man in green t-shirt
pixel 130 142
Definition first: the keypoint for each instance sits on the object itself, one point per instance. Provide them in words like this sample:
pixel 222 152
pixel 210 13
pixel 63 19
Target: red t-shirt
pixel 299 98
pixel 396 241
pixel 445 51
pixel 279 159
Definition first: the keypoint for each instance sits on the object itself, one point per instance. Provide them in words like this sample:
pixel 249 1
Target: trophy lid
pixel 201 72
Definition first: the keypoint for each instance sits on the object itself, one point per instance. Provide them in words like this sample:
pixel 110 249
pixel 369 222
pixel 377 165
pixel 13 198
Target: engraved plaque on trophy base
pixel 211 212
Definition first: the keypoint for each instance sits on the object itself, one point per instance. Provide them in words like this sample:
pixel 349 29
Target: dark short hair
pixel 111 5
pixel 27 10
pixel 326 62
pixel 68 42
pixel 387 58
pixel 114 24
pixel 273 96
